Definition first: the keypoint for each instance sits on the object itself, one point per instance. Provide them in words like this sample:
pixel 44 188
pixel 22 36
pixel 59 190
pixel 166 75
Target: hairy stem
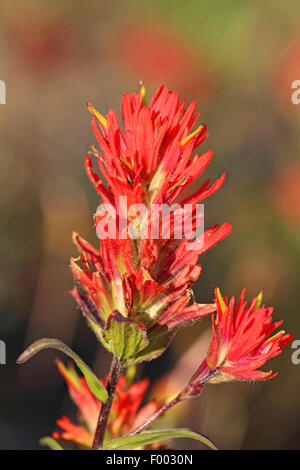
pixel 156 415
pixel 113 380
pixel 183 395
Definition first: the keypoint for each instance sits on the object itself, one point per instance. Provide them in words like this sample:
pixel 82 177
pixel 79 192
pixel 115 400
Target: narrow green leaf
pixel 51 442
pixel 93 383
pixel 148 437
pixel 124 337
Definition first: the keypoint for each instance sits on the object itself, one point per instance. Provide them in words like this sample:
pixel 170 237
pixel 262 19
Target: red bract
pixel 125 414
pixel 150 162
pixel 241 342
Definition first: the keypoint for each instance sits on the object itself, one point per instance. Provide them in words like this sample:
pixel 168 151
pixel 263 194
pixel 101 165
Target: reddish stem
pixel 156 415
pixel 185 394
pixel 113 380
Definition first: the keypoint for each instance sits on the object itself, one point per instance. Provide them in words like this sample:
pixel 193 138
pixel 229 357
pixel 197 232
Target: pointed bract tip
pixel 220 300
pixel 96 113
pixel 143 93
pixel 75 235
pixel 258 300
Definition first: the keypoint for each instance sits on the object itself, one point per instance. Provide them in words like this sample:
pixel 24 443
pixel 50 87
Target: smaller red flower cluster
pixel 125 416
pixel 241 342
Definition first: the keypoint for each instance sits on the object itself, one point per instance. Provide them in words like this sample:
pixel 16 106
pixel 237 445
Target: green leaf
pixel 148 437
pixel 159 339
pixel 92 381
pixel 124 337
pixel 51 442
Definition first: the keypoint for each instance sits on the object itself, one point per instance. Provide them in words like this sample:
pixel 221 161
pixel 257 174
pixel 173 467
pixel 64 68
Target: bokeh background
pixel 238 60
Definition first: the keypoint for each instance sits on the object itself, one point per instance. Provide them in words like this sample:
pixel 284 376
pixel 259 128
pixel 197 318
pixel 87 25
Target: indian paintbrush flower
pixel 135 292
pixel 144 285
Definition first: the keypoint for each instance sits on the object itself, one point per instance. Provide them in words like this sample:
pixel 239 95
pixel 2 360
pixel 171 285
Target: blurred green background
pixel 237 60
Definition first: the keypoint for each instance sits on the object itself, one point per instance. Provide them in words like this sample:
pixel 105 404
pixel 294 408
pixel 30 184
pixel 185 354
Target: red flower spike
pixel 150 162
